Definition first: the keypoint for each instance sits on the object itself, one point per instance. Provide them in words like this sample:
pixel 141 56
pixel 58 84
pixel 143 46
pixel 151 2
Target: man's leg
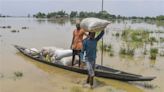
pixel 91 81
pixel 90 72
pixel 79 60
pixel 88 79
pixel 73 57
pixel 92 77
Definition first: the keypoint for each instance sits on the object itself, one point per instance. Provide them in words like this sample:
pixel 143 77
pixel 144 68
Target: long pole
pixel 102 37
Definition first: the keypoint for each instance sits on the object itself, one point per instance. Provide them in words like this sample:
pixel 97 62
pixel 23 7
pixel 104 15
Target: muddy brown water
pixel 44 78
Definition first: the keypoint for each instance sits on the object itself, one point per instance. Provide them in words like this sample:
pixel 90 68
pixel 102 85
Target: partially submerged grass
pixel 1 75
pixel 161 39
pixel 152 40
pixel 153 53
pixel 149 86
pixel 106 47
pixel 128 51
pixel 112 89
pixel 111 53
pixel 117 34
pixel 18 74
pixel 135 38
pixel 76 89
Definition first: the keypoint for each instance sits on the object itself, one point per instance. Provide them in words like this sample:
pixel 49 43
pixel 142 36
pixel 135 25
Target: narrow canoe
pixel 100 71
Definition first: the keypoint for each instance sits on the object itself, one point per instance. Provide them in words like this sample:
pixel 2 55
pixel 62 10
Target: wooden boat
pixel 100 71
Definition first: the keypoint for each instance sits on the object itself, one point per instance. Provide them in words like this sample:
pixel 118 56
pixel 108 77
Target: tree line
pixel 84 14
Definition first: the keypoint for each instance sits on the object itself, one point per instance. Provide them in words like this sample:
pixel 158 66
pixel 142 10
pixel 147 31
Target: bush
pixel 123 51
pixel 153 53
pixel 129 52
pixel 161 39
pixel 154 50
pixel 18 74
pixel 152 39
pixel 117 34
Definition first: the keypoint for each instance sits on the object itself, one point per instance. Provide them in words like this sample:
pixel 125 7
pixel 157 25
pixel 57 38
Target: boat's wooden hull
pixel 100 71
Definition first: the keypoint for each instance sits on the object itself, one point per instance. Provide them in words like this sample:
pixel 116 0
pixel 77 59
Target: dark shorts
pixel 76 52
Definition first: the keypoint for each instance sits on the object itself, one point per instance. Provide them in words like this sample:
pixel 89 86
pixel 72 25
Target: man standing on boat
pixel 77 43
pixel 89 47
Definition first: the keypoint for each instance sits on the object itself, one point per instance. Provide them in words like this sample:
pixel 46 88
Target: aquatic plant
pixel 123 51
pixel 117 34
pixel 161 39
pixel 128 51
pixel 105 47
pixel 149 86
pixel 152 40
pixel 153 53
pixel 111 53
pixel 145 52
pixel 76 89
pixel 1 75
pixel 18 74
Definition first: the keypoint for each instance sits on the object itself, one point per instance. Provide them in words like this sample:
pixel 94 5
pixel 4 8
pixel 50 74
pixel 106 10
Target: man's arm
pixel 100 36
pixel 72 40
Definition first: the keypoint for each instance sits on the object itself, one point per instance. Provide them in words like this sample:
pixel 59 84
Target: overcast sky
pixel 117 7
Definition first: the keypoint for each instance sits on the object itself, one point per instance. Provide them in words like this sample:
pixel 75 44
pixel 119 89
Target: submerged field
pixel 127 47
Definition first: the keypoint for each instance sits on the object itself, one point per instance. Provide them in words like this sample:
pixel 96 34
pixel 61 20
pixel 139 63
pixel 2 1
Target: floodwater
pixel 44 78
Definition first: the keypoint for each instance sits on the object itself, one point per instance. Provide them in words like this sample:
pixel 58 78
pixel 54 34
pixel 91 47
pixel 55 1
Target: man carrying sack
pixel 92 25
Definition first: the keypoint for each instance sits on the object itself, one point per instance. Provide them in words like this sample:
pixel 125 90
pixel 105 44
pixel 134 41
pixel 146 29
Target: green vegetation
pixel 40 15
pixel 152 40
pixel 117 34
pixel 1 75
pixel 128 51
pixel 111 53
pixel 153 53
pixel 105 47
pixel 18 74
pixel 112 89
pixel 161 39
pixel 135 38
pixel 161 17
pixel 84 14
pixel 76 89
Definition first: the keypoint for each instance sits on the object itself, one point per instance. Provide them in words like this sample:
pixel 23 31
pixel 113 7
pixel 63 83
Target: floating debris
pixel 149 86
pixel 1 75
pixel 8 26
pixel 18 74
pixel 5 27
pixel 25 27
pixel 14 31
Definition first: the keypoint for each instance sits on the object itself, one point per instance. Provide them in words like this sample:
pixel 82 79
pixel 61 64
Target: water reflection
pixel 113 21
pixel 60 22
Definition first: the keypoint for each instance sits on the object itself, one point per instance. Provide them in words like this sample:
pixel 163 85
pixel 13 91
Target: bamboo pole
pixel 102 37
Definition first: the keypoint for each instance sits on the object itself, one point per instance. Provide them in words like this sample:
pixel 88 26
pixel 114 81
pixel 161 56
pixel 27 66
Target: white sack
pixel 59 53
pixel 93 24
pixel 67 61
pixel 49 48
pixel 32 51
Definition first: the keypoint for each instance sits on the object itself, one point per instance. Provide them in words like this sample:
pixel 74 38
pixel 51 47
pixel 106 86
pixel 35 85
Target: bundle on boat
pixel 53 54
